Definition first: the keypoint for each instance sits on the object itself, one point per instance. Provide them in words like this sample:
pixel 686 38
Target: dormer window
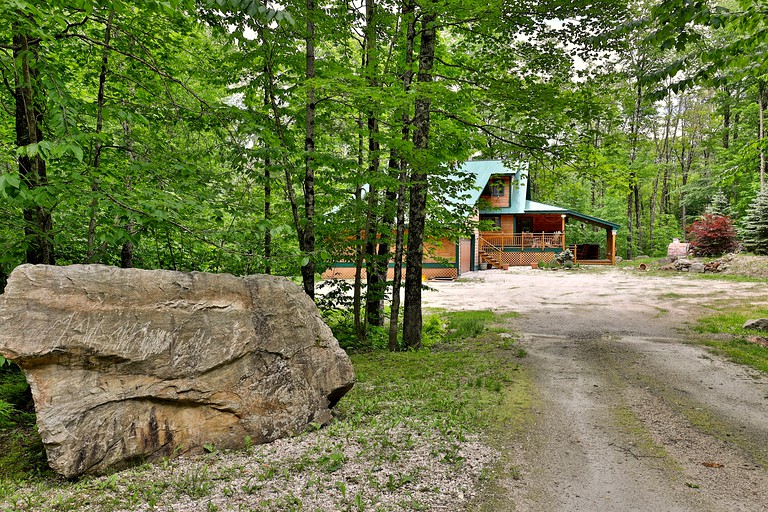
pixel 494 188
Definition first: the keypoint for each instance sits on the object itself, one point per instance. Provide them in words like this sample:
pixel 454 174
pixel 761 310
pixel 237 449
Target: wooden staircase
pixel 489 258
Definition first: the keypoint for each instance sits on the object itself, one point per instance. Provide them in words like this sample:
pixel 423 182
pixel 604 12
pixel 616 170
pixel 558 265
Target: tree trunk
pixel 397 163
pixel 360 328
pixel 32 170
pixel 417 211
pixel 632 197
pixel 128 248
pixel 267 216
pixel 267 193
pixel 308 231
pixel 761 100
pixel 91 252
pixel 376 262
pixel 727 118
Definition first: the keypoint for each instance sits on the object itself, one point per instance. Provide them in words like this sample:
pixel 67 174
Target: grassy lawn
pixel 417 431
pixel 729 321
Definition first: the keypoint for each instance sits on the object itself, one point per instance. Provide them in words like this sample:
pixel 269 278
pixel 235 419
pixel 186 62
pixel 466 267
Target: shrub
pixel 712 235
pixel 754 232
pixel 564 256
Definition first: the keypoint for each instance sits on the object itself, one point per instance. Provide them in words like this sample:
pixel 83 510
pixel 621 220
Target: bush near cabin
pixel 713 235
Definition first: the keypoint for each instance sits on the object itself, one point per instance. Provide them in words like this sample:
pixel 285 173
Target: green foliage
pixel 754 230
pixel 21 451
pixel 564 257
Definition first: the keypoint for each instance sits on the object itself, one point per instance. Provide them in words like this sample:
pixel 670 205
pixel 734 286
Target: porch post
pixel 611 245
pixel 562 230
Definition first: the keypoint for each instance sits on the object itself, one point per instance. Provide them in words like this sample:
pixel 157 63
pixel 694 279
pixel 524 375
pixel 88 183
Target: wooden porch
pixel 522 249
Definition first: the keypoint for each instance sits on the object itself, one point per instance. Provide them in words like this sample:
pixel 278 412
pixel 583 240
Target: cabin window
pixel 487 219
pixel 524 225
pixel 494 188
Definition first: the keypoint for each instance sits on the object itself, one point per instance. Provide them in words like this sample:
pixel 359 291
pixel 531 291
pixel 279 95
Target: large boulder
pixel 132 365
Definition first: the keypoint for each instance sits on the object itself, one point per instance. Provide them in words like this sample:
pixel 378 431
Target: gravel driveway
pixel 628 416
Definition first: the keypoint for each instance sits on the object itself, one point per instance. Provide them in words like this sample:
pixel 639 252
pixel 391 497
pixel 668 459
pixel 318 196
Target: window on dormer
pixel 494 188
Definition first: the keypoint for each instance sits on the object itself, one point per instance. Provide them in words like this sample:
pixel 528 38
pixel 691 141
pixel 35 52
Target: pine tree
pixel 719 205
pixel 754 232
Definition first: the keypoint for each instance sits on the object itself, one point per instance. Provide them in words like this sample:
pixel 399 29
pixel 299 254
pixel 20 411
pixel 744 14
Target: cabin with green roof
pixel 519 231
pixel 515 231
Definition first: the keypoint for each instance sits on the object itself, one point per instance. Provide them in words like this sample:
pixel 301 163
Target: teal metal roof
pixel 482 170
pixel 534 207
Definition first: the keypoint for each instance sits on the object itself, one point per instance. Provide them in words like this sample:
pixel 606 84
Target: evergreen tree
pixel 754 233
pixel 719 205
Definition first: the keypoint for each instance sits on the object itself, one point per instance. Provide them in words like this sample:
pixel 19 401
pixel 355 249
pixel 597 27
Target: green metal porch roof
pixel 534 207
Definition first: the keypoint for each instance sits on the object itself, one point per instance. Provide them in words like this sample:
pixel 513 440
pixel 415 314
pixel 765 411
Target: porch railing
pixel 521 241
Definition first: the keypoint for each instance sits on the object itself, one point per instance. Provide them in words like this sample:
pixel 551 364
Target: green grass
pixel 730 321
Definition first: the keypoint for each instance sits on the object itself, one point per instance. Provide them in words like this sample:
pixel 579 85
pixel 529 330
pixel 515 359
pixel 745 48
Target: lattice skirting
pixel 524 259
pixel 427 273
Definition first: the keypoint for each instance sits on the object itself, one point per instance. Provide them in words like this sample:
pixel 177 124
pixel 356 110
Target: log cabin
pixel 512 230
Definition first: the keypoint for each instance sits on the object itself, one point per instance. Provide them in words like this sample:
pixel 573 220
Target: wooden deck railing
pixel 521 241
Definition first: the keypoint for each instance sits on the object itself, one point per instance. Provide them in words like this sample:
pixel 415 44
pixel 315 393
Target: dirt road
pixel 628 416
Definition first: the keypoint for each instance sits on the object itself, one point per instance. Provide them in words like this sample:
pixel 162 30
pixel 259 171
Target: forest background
pixel 242 137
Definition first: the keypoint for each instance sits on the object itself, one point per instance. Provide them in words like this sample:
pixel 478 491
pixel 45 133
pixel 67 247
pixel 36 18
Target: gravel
pixel 629 415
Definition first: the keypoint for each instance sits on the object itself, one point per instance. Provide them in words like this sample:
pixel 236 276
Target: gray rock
pixel 697 267
pixel 761 324
pixel 132 365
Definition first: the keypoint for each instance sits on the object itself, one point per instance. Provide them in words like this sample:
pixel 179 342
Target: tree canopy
pixel 240 136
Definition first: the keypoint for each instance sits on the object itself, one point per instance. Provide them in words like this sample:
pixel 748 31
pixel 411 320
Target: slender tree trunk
pixel 376 262
pixel 632 197
pixel 727 118
pixel 417 211
pixel 306 240
pixel 308 232
pixel 97 147
pixel 267 216
pixel 410 36
pixel 761 100
pixel 29 116
pixel 267 193
pixel 357 298
pixel 128 249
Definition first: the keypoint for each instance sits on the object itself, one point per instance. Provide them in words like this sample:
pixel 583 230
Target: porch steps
pixel 490 259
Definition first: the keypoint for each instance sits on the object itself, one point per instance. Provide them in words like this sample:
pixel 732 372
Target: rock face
pixel 132 365
pixel 761 324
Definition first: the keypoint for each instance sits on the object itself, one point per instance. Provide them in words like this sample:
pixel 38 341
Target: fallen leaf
pixel 712 464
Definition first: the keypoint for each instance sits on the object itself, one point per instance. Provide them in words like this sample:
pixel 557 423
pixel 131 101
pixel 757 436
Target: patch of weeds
pixel 521 353
pixel 395 482
pixel 468 324
pixel 738 349
pixel 195 482
pixel 332 462
pixel 742 352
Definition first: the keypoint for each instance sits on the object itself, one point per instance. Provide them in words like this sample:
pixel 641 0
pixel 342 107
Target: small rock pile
pixel 686 265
